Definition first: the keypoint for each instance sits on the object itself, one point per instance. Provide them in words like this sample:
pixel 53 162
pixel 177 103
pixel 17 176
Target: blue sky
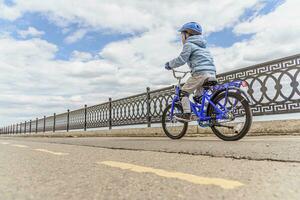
pixel 93 41
pixel 56 56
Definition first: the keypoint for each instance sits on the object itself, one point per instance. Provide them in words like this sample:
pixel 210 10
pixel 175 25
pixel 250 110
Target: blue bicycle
pixel 225 108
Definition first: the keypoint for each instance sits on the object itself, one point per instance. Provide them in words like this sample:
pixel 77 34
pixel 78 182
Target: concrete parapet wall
pixel 278 127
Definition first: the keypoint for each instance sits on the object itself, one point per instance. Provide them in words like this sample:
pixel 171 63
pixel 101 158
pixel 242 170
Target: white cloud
pixel 7 12
pixel 31 31
pixel 81 56
pixel 275 35
pixel 130 16
pixel 74 37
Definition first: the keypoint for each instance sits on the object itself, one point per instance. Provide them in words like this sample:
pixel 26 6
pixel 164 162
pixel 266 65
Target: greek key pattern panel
pixel 242 74
pixel 273 86
pixel 132 110
pixel 98 116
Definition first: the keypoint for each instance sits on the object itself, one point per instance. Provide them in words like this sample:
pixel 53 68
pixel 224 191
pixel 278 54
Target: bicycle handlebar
pixel 179 77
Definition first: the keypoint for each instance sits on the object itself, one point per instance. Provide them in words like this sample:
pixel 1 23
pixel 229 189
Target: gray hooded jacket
pixel 196 55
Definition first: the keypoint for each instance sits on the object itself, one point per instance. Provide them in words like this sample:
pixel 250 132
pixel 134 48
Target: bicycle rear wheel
pixel 237 122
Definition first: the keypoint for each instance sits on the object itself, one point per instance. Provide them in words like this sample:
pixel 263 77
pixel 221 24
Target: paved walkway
pixel 149 168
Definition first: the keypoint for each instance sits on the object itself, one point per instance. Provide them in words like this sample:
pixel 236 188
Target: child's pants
pixel 193 83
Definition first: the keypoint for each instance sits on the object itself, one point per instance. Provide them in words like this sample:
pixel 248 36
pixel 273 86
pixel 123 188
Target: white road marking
pixel 52 152
pixel 5 143
pixel 223 183
pixel 19 145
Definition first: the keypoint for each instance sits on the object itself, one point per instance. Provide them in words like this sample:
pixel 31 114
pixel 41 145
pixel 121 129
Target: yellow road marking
pixel 223 183
pixel 4 142
pixel 52 152
pixel 19 145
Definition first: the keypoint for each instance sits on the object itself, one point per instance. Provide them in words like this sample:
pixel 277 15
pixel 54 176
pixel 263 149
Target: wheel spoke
pixel 237 119
pixel 173 128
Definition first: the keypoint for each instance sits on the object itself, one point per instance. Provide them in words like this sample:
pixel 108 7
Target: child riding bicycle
pixel 199 60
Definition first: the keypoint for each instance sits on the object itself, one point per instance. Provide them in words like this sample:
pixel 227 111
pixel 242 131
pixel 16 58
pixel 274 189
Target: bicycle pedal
pixel 181 119
pixel 194 118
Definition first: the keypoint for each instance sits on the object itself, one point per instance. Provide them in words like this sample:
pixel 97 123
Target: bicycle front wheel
pixel 238 116
pixel 173 128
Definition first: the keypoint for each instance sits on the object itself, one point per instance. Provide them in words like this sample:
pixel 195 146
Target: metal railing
pixel 273 89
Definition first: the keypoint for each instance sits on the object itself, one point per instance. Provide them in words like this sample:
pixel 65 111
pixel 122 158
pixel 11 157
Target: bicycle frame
pixel 199 109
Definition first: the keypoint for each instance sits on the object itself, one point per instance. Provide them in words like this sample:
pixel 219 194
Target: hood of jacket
pixel 197 40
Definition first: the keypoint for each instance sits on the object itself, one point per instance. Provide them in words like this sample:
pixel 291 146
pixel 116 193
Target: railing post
pixel 21 127
pixel 110 114
pixel 68 120
pixel 44 126
pixel 54 118
pixel 148 108
pixel 25 127
pixel 36 124
pixel 85 115
pixel 30 126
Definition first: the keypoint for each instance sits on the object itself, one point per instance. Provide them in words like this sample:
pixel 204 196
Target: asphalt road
pixel 149 168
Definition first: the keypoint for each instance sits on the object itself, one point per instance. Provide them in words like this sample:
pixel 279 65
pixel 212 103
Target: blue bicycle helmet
pixel 194 26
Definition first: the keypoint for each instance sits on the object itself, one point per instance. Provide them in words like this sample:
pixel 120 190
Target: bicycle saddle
pixel 210 81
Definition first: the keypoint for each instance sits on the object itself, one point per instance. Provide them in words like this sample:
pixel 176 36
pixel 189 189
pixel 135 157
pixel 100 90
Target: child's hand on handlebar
pixel 167 66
